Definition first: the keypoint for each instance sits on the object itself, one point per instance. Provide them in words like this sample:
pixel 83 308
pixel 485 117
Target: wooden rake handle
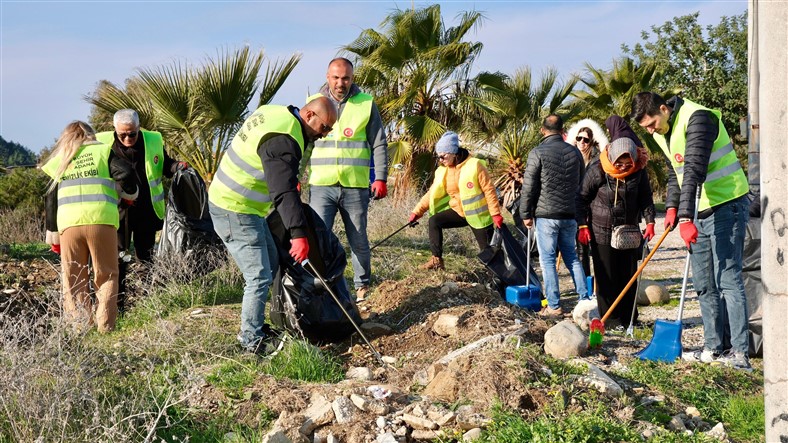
pixel 635 276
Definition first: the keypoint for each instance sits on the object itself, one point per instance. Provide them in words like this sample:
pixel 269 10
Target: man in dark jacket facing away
pixel 699 152
pixel 552 178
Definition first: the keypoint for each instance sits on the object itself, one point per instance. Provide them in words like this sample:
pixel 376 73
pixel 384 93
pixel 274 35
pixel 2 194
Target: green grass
pixel 233 377
pixel 29 251
pixel 301 361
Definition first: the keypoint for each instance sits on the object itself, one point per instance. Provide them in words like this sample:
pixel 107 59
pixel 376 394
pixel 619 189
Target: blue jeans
pixel 552 236
pixel 716 273
pixel 352 204
pixel 251 245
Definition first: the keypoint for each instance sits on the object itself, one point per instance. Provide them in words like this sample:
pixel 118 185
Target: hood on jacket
pixel 599 134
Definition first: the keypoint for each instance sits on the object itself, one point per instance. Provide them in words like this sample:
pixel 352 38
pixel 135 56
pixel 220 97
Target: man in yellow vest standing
pixel 339 176
pixel 699 152
pixel 257 173
pixel 145 151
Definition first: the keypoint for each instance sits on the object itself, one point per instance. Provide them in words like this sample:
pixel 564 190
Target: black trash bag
pixel 188 228
pixel 506 258
pixel 299 302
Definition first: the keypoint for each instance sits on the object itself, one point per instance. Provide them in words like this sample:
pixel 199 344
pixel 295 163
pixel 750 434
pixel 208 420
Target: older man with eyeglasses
pixel 145 151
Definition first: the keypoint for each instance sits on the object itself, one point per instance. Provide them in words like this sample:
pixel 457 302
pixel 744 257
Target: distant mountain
pixel 14 154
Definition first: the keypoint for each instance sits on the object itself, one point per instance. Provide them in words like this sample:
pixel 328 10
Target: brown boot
pixel 434 263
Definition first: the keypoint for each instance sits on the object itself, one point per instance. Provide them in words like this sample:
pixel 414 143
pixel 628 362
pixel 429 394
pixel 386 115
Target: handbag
pixel 626 237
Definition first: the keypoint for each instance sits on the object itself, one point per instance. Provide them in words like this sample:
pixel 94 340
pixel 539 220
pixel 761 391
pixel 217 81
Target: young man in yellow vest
pixel 145 151
pixel 339 176
pixel 260 172
pixel 699 152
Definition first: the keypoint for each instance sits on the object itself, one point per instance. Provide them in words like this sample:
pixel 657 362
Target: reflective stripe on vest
pixel 86 191
pixel 725 179
pixel 239 184
pixel 343 156
pixel 472 198
pixel 154 165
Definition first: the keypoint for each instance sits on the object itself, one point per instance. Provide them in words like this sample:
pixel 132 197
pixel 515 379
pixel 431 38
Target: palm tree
pixel 506 114
pixel 413 67
pixel 197 110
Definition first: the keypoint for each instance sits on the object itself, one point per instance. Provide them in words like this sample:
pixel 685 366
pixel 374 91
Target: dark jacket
pixel 551 180
pixel 702 130
pixel 598 207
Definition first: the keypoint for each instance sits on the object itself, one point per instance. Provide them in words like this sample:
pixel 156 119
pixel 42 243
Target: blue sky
pixel 52 53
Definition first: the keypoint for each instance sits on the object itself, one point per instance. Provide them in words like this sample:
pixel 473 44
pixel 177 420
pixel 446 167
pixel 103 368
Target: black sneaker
pixel 272 342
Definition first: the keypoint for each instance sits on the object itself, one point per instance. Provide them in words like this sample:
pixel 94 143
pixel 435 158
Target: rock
pixel 449 287
pixel 370 405
pixel 584 312
pixel 286 430
pixel 446 325
pixel 359 373
pixel 317 414
pixel 380 422
pixel 331 438
pixel 420 377
pixel 344 410
pixel 718 432
pixel 598 379
pixel 444 386
pixel 565 340
pixel 472 435
pixel 676 424
pixel 467 418
pixel 648 433
pixel 389 359
pixel 418 422
pixel 433 370
pixel 446 419
pixel 651 292
pixel 692 411
pixel 276 436
pixel 372 329
pixel 388 437
pixel 425 435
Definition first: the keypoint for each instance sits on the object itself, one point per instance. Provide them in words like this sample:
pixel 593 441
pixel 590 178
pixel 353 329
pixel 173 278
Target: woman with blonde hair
pixel 88 181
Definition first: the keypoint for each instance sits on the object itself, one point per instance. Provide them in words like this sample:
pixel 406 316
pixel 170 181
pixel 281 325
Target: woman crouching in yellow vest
pixel 462 194
pixel 88 181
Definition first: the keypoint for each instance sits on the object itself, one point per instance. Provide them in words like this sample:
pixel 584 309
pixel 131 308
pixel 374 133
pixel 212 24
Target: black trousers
pixel 143 235
pixel 449 219
pixel 613 269
pixel 584 255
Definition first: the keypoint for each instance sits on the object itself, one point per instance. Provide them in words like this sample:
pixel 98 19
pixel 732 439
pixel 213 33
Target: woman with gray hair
pixel 615 191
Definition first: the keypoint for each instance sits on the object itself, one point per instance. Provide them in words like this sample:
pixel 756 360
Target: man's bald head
pixel 318 117
pixel 339 77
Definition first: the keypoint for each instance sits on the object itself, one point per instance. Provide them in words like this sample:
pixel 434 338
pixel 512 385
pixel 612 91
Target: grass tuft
pixel 302 361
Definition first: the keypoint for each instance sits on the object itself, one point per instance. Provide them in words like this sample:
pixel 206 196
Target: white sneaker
pixel 736 360
pixel 705 356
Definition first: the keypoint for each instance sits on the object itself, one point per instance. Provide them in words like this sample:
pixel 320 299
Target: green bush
pixel 23 188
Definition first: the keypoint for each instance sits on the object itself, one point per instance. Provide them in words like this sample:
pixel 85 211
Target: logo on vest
pixel 679 158
pixel 155 159
pixel 348 132
pixel 469 185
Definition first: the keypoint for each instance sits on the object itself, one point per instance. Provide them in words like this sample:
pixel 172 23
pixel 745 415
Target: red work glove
pixel 55 249
pixel 497 220
pixel 584 235
pixel 648 234
pixel 379 189
pixel 125 203
pixel 413 217
pixel 181 166
pixel 298 187
pixel 299 249
pixel 689 233
pixel 670 218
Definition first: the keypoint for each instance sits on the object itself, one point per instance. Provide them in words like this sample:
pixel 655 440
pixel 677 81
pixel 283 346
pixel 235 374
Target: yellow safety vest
pixel 725 179
pixel 154 165
pixel 472 197
pixel 343 156
pixel 240 184
pixel 86 193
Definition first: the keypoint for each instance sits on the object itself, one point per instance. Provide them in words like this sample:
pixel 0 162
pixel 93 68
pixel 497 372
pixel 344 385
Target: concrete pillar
pixel 753 132
pixel 772 22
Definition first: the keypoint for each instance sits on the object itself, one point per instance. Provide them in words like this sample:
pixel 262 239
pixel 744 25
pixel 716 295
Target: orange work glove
pixel 379 189
pixel 299 249
pixel 689 232
pixel 413 217
pixel 497 220
pixel 584 235
pixel 670 218
pixel 648 234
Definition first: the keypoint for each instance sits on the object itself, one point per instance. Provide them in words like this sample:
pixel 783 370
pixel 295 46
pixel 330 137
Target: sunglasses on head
pixel 583 139
pixel 124 135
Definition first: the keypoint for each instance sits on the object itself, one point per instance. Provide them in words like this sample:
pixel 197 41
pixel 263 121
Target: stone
pixel 446 419
pixel 565 340
pixel 344 410
pixel 651 292
pixel 317 414
pixel 718 432
pixel 467 418
pixel 433 370
pixel 380 422
pixel 419 422
pixel 472 435
pixel 449 287
pixel 359 373
pixel 389 359
pixel 425 435
pixel 584 312
pixel 370 405
pixel 331 438
pixel 388 437
pixel 373 329
pixel 446 325
pixel 444 386
pixel 597 378
pixel 420 377
pixel 692 411
pixel 676 424
pixel 286 430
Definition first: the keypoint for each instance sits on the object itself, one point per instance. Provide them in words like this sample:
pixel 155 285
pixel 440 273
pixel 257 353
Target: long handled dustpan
pixel 665 344
pixel 597 327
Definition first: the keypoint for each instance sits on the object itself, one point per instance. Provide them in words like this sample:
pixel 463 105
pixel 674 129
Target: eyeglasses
pixel 620 165
pixel 583 139
pixel 124 135
pixel 323 126
pixel 443 157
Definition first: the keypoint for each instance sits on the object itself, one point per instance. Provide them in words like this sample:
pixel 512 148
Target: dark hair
pixel 594 142
pixel 646 103
pixel 342 59
pixel 553 123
